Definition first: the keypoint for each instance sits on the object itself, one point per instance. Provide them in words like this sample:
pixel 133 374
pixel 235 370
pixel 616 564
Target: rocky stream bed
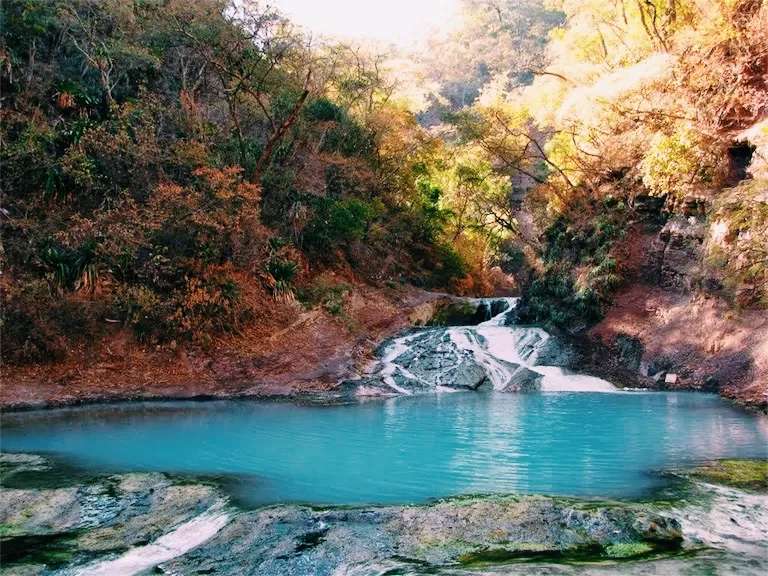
pixel 54 521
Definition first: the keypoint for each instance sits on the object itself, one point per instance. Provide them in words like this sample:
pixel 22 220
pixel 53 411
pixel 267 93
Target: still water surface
pixel 405 449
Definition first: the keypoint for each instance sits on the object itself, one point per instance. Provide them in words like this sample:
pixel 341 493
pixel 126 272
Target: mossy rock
pixel 467 312
pixel 585 553
pixel 532 552
pixel 496 555
pixel 453 313
pixel 744 474
pixel 627 550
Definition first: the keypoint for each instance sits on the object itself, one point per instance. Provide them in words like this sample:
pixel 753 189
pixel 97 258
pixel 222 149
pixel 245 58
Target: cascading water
pixel 489 355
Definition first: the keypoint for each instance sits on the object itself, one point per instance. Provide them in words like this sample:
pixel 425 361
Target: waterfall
pixel 489 355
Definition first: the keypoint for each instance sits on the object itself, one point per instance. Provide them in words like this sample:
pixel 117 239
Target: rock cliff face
pixel 692 311
pixel 675 255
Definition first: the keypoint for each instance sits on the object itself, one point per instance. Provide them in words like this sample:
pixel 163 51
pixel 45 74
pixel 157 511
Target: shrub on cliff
pixel 737 246
pixel 580 275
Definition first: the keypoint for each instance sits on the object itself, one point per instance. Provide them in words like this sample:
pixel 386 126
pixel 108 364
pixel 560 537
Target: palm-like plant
pixel 85 271
pixel 72 269
pixel 280 273
pixel 58 262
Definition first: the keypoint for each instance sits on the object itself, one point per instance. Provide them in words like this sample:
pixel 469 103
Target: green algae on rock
pixel 745 474
pixel 97 525
pixel 457 532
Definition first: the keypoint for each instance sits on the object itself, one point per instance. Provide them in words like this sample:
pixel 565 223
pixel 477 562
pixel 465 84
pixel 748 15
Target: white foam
pixel 497 372
pixel 727 518
pixel 498 349
pixel 501 317
pixel 390 367
pixel 177 542
pixel 557 380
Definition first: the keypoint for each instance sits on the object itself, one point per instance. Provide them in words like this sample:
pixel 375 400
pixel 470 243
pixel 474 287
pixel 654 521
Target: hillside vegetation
pixel 644 111
pixel 183 167
pixel 175 166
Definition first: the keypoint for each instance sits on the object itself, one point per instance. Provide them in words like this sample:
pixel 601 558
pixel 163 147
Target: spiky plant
pixel 58 262
pixel 280 273
pixel 85 270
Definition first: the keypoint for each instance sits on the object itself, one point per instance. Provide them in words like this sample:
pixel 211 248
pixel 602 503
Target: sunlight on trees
pixel 177 165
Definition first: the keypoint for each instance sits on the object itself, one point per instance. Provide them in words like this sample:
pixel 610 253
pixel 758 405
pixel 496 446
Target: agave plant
pixel 72 269
pixel 280 273
pixel 275 245
pixel 85 270
pixel 58 262
pixel 54 183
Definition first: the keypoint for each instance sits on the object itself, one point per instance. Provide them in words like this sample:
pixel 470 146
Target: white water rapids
pixel 503 352
pixel 175 543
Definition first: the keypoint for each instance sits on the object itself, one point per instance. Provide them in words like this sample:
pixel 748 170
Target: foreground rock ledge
pixel 102 524
pixel 55 520
pixel 454 533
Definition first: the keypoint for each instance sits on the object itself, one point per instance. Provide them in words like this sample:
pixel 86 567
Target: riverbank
pixel 702 342
pixel 327 355
pixel 153 523
pixel 299 352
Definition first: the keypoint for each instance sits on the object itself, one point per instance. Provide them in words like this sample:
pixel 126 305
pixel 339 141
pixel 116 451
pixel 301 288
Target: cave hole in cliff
pixel 740 157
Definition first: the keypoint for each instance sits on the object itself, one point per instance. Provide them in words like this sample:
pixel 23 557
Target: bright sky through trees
pixel 399 21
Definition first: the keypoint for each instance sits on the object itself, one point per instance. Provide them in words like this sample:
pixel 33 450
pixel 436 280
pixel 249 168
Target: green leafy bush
pixel 323 110
pixel 337 222
pixel 581 277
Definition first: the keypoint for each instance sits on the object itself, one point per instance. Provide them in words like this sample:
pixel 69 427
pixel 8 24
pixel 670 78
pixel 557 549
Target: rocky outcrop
pixel 490 356
pixel 462 532
pixel 466 311
pixel 155 524
pixel 674 259
pixel 691 314
pixel 75 521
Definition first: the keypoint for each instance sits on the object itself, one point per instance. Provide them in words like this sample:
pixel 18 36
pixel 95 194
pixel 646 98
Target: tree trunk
pixel 278 134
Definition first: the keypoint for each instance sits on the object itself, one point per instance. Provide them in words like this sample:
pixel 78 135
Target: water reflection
pixel 405 449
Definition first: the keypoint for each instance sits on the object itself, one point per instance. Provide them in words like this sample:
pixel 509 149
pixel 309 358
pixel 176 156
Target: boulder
pixel 524 380
pixel 674 258
pixel 630 351
pixel 449 533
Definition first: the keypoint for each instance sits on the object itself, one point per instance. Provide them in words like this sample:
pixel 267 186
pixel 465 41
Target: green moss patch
pixel 586 553
pixel 628 550
pixel 523 552
pixel 745 474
